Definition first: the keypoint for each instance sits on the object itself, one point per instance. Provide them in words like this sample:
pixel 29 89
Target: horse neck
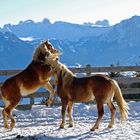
pixel 39 67
pixel 65 76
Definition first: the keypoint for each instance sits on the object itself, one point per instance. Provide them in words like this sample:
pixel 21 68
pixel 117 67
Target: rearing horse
pixel 99 87
pixel 36 75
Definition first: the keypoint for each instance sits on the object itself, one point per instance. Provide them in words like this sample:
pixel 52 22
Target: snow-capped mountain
pixel 80 44
pixel 14 52
pixel 120 45
pixel 60 30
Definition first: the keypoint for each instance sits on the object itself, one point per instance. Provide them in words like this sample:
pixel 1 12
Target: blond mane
pixel 67 75
pixel 40 49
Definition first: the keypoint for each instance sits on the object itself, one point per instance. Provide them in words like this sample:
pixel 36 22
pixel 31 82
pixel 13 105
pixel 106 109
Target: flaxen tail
pixel 123 107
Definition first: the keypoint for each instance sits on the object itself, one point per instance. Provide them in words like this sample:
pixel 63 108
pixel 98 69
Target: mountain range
pixel 97 44
pixel 59 30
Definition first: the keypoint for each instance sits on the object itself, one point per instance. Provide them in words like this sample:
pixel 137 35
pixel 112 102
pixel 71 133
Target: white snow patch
pixel 27 38
pixel 42 123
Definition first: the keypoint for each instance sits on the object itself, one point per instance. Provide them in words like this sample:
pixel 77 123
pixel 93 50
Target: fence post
pixel 88 69
pixel 31 101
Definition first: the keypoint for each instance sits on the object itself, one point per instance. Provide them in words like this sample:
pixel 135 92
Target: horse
pixel 98 87
pixel 37 74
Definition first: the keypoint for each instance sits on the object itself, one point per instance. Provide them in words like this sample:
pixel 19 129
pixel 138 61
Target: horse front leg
pixel 71 122
pixel 49 87
pixel 63 113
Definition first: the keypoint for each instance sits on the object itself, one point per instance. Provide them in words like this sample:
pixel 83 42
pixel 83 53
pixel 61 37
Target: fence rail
pixel 130 86
pixel 87 69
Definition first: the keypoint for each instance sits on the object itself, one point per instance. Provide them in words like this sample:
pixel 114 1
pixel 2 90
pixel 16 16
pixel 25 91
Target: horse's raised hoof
pixel 49 102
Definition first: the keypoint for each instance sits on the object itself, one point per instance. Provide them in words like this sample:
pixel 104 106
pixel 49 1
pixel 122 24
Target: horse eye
pixel 57 58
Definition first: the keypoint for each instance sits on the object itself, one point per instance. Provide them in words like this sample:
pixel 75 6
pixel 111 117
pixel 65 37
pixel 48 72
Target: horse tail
pixel 123 106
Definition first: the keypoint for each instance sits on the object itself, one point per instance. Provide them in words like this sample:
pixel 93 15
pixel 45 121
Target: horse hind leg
pixel 9 110
pixel 112 110
pixel 5 115
pixel 100 114
pixel 71 122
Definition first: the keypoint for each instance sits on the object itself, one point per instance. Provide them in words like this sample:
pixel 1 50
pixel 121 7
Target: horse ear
pixel 50 47
pixel 46 42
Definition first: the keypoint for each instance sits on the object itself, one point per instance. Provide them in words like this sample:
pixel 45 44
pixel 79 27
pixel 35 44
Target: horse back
pixel 102 87
pixel 87 88
pixel 94 82
pixel 36 71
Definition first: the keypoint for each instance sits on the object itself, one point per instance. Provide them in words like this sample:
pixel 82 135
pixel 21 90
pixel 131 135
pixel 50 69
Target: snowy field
pixel 42 123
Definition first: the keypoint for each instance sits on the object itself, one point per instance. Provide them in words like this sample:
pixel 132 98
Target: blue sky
pixel 74 11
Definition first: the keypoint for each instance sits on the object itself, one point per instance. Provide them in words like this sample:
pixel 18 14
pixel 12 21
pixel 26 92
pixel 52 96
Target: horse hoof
pixel 110 126
pixel 61 126
pixel 12 126
pixel 71 125
pixel 47 104
pixel 93 129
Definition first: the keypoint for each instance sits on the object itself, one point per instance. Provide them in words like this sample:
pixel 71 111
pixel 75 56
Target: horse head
pixel 43 51
pixel 50 47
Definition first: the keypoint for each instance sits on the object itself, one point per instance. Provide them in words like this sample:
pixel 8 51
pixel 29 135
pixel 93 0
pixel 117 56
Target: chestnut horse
pixel 28 81
pixel 99 87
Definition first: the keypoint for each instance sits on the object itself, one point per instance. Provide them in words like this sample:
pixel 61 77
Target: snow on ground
pixel 42 123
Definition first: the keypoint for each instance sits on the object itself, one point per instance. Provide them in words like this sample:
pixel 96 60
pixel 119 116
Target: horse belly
pixel 89 97
pixel 86 97
pixel 26 91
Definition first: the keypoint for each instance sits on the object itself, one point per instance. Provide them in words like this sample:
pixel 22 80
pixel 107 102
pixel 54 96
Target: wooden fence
pixel 130 85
